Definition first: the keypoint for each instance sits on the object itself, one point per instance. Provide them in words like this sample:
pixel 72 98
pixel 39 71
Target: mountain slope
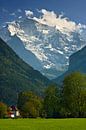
pixel 48 46
pixel 16 44
pixel 77 62
pixel 17 76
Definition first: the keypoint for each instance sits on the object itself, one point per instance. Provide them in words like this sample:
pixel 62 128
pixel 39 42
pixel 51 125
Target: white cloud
pixel 4 10
pixel 20 17
pixel 59 21
pixel 13 14
pixel 28 13
pixel 50 18
pixel 19 10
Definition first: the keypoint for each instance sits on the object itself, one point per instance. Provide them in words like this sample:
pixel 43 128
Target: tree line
pixel 66 101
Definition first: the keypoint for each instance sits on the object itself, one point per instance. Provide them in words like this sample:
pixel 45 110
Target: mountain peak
pixel 49 45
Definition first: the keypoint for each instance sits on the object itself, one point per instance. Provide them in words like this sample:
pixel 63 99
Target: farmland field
pixel 42 124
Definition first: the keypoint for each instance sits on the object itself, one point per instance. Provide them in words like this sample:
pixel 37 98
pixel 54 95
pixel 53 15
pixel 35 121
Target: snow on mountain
pixel 49 41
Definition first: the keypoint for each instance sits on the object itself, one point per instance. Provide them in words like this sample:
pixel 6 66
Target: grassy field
pixel 43 124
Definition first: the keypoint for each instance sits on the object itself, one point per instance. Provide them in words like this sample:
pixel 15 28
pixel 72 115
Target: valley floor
pixel 43 124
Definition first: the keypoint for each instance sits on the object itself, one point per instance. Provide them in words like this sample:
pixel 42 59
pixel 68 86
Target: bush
pixel 3 110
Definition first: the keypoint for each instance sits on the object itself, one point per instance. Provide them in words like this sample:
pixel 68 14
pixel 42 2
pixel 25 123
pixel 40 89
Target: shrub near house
pixel 3 110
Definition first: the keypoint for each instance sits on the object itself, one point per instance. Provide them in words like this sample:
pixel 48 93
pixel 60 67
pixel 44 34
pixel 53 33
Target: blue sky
pixel 73 9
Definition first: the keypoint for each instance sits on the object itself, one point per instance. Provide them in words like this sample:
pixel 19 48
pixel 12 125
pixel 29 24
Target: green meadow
pixel 43 124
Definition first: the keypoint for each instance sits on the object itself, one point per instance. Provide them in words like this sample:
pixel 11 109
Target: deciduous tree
pixel 74 94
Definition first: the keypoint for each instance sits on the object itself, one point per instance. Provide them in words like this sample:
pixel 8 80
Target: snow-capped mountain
pixel 45 47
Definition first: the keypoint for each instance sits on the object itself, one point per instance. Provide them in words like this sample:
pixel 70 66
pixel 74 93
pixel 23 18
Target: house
pixel 13 112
